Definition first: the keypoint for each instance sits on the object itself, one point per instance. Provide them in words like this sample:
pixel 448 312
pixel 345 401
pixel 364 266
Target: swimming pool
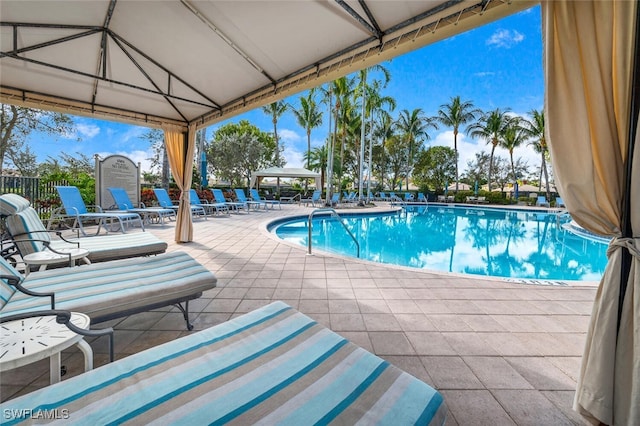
pixel 480 241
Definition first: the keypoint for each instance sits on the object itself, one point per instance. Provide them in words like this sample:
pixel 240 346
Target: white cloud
pixel 485 74
pixel 505 38
pixel 468 148
pixel 289 136
pixel 88 131
pixel 294 157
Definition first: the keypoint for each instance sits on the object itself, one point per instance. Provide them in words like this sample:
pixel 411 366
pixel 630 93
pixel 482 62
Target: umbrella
pixel 203 169
pixel 476 188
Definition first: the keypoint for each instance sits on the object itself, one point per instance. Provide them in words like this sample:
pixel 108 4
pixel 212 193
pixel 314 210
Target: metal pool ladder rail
pixel 334 214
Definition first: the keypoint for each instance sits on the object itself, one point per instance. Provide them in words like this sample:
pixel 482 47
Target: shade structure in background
pixel 203 170
pixel 591 105
pixel 284 172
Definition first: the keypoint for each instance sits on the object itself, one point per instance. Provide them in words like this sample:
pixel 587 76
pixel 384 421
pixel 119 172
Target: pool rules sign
pixel 116 171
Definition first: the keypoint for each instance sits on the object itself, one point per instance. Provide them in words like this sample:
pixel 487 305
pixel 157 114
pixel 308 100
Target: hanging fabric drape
pixel 588 54
pixel 180 150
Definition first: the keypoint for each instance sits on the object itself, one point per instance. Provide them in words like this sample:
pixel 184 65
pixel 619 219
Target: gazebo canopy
pixel 202 61
pixel 285 172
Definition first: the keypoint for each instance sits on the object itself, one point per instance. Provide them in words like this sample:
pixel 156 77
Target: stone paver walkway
pixel 500 353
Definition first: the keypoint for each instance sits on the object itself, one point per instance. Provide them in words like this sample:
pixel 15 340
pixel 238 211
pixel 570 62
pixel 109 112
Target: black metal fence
pixel 39 193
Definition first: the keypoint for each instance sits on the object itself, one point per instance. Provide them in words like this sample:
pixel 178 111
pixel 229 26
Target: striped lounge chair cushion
pixel 117 246
pixel 271 366
pixel 110 289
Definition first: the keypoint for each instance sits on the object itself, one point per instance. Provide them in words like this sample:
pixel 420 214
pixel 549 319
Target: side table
pixel 45 258
pixel 29 340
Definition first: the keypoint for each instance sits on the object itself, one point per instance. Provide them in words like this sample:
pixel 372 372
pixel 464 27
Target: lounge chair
pixel 335 200
pixel 31 236
pixel 316 198
pixel 209 207
pixel 242 198
pixel 394 198
pixel 408 197
pixel 108 290
pixel 560 202
pixel 422 198
pixel 255 196
pixel 273 365
pixel 220 199
pixel 442 198
pixel 165 202
pixel 74 206
pixel 383 196
pixel 149 214
pixel 542 201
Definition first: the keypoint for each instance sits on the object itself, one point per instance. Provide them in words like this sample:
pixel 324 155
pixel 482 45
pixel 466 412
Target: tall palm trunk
pixel 455 148
pixel 493 150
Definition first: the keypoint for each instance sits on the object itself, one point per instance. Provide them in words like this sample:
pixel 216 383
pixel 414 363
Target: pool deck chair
pixel 108 290
pixel 542 201
pixel 165 202
pixel 242 198
pixel 560 202
pixel 220 199
pixel 209 207
pixel 149 214
pixel 422 198
pixel 273 365
pixel 316 198
pixel 30 236
pixel 74 206
pixel 255 195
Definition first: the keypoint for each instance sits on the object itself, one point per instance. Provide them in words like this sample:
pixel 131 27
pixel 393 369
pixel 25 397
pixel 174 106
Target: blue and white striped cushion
pixel 6 290
pixel 110 288
pixel 12 203
pixel 27 222
pixel 271 366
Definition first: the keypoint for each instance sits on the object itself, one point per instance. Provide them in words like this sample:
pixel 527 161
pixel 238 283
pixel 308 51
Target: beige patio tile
pixel 476 408
pixel 430 343
pixel 496 373
pixel 381 322
pixel 530 407
pixel 346 322
pixel 373 306
pixel 466 343
pixel 541 373
pixel 450 372
pixel 390 343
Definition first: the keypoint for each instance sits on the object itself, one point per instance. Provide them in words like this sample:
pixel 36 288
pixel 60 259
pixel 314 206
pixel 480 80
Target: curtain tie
pixel 624 242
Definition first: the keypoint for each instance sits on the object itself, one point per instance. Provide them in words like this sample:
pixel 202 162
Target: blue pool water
pixel 501 243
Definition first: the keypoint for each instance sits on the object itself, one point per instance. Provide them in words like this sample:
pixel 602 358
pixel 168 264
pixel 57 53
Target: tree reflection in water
pixel 481 241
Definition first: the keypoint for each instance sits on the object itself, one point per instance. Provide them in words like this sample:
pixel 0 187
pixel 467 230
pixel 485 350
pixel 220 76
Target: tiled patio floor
pixel 500 353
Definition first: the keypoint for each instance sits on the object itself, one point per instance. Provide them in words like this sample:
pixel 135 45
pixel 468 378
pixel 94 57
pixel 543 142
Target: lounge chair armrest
pixel 97 209
pixel 45 242
pixel 17 283
pixel 64 317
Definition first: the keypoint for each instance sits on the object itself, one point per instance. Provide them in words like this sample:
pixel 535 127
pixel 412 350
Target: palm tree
pixel 514 135
pixel 490 127
pixel 383 131
pixel 308 116
pixel 317 160
pixel 456 114
pixel 276 110
pixel 413 127
pixel 534 129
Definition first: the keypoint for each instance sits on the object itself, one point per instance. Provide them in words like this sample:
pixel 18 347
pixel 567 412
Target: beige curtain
pixel 180 150
pixel 588 61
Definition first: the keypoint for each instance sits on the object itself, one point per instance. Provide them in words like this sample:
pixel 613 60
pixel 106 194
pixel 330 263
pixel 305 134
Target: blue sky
pixel 497 65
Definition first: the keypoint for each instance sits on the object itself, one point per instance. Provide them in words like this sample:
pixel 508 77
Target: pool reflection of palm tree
pixel 483 232
pixel 507 264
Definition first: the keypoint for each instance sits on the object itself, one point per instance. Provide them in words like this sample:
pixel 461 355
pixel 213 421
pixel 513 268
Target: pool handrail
pixel 334 214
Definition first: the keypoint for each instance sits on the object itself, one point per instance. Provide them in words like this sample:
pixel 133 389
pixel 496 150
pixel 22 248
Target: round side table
pixel 31 339
pixel 45 258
